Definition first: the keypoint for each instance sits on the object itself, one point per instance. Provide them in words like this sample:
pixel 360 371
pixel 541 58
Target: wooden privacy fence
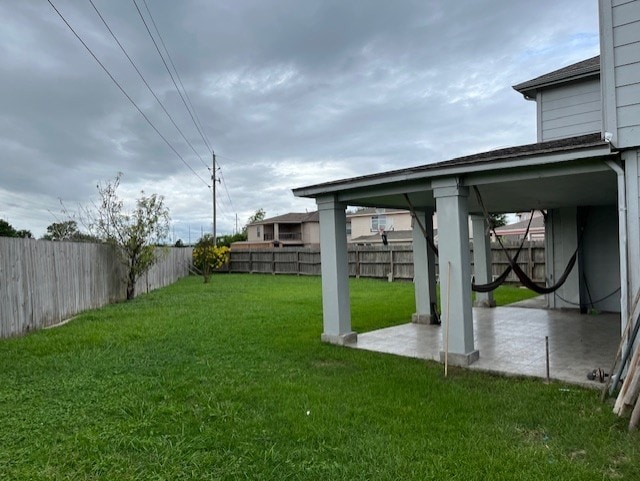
pixel 385 262
pixel 43 283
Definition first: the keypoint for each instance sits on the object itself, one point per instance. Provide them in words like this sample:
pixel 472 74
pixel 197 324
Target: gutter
pixel 622 234
pixel 448 168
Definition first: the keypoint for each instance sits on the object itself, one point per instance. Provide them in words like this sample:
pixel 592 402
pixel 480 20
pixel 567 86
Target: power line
pixel 195 112
pixel 169 71
pixel 224 183
pixel 123 91
pixel 145 82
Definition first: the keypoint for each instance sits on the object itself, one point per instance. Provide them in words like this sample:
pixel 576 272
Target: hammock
pixel 491 286
pixel 502 277
pixel 522 276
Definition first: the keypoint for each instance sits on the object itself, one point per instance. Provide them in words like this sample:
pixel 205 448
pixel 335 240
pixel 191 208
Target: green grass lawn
pixel 229 380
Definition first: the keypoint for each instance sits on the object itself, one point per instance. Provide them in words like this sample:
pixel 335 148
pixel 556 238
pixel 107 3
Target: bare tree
pixel 135 234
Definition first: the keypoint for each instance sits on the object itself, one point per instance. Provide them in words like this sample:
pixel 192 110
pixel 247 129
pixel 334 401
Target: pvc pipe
pixel 624 275
pixel 622 233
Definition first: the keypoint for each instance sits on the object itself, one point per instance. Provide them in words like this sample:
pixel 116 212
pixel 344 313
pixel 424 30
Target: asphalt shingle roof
pixel 291 218
pixel 585 68
pixel 492 156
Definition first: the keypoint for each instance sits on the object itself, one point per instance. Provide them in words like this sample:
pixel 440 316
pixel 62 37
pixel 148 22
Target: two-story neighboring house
pixel 367 226
pixel 525 225
pixel 289 230
pixel 584 172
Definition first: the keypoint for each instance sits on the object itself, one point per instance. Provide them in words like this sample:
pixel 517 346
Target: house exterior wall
pixel 600 274
pixel 569 110
pixel 561 242
pixel 361 224
pixel 620 70
pixel 631 160
pixel 252 233
pixel 311 233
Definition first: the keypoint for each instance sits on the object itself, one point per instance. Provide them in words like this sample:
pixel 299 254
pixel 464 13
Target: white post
pixel 336 309
pixel 482 268
pixel 453 247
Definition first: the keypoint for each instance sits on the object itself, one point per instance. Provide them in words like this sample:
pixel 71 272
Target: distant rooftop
pixel 520 152
pixel 291 218
pixel 372 210
pixel 536 223
pixel 583 69
pixel 392 236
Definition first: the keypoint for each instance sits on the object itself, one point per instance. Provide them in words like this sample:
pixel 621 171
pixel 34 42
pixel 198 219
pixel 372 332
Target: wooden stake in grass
pixel 446 327
pixel 546 344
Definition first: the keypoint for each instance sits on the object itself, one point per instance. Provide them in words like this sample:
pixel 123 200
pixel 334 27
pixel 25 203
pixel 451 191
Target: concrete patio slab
pixel 511 341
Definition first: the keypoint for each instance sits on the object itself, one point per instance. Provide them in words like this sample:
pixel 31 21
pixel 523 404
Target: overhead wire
pixel 220 203
pixel 133 64
pixel 188 103
pixel 168 70
pixel 113 79
pixel 195 112
pixel 224 184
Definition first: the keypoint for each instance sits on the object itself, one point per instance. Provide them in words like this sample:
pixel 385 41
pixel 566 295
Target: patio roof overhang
pixel 567 172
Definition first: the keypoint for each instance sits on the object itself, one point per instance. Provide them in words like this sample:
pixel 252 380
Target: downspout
pixel 622 242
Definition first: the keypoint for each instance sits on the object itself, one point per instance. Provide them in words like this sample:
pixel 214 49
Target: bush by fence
pixel 43 283
pixel 393 261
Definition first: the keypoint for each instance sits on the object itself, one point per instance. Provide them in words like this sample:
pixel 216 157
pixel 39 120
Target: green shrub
pixel 207 257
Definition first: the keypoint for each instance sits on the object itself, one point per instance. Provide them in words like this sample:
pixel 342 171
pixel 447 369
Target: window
pixel 258 231
pixel 349 228
pixel 378 223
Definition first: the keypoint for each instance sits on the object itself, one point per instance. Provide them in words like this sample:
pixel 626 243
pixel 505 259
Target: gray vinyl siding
pixel 600 274
pixel 570 110
pixel 626 54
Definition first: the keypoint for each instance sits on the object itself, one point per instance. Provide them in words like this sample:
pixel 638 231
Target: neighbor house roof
pixel 392 236
pixel 583 69
pixel 291 218
pixel 467 163
pixel 536 223
pixel 374 211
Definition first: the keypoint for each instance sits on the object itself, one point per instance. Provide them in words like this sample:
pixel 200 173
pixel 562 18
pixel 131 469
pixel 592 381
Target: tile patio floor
pixel 511 341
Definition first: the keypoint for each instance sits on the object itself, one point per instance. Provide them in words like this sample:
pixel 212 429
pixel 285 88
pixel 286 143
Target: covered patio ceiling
pixel 569 172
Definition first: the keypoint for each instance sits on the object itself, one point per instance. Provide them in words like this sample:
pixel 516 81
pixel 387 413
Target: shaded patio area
pixel 511 341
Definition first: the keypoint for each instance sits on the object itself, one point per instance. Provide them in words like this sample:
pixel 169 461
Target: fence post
pixel 391 267
pixel 273 262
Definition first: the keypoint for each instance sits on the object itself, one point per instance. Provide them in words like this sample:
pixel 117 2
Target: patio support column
pixel 454 259
pixel 336 310
pixel 424 269
pixel 482 267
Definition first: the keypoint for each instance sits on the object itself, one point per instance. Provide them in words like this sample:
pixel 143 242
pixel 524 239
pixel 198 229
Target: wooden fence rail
pixel 385 262
pixel 43 283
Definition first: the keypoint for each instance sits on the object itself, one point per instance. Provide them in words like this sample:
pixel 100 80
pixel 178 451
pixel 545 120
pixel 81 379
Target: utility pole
pixel 213 189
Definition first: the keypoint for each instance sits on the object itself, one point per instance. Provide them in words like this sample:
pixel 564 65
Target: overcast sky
pixel 289 93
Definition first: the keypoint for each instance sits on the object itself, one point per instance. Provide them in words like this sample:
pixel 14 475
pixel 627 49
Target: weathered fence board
pixel 395 262
pixel 43 283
